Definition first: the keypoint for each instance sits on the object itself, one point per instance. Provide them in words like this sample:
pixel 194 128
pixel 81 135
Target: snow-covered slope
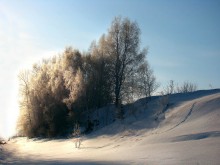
pixel 188 132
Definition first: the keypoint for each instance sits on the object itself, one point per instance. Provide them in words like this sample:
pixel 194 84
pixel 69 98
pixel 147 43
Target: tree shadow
pixel 23 161
pixel 6 156
pixel 197 136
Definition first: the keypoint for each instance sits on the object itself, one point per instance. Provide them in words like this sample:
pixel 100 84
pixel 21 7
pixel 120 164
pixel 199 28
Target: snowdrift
pixel 186 131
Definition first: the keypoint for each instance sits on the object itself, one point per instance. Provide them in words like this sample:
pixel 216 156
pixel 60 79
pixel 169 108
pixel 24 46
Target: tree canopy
pixel 66 88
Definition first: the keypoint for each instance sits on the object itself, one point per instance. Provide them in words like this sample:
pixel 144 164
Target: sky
pixel 183 38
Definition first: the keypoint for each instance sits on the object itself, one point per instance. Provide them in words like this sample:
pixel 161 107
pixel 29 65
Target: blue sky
pixel 183 37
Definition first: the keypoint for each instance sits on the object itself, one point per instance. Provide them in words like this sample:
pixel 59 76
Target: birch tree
pixel 124 49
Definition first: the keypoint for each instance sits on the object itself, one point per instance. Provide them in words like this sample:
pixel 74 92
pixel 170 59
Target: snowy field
pixel 188 132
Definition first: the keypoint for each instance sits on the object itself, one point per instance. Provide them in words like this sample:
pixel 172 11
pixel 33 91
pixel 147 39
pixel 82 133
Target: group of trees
pixel 65 89
pixel 172 87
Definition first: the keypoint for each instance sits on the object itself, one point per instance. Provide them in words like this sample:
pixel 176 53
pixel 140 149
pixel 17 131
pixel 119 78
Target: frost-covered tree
pixel 187 87
pixel 25 124
pixel 147 83
pixel 100 73
pixel 123 39
pixel 69 87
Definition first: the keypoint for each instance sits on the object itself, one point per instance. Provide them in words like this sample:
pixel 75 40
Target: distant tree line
pixel 185 87
pixel 65 89
pixel 173 88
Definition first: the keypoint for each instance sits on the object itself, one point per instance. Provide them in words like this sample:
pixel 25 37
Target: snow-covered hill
pixel 187 132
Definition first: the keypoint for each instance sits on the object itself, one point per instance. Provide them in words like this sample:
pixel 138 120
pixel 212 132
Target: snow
pixel 187 133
